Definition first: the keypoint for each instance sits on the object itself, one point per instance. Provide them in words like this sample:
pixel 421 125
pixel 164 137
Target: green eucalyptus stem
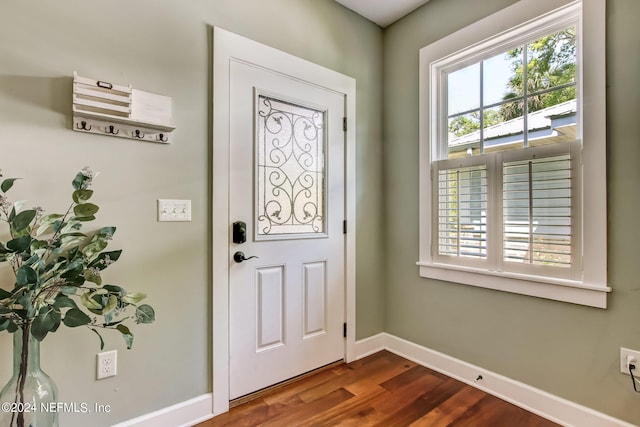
pixel 49 250
pixel 24 360
pixel 22 374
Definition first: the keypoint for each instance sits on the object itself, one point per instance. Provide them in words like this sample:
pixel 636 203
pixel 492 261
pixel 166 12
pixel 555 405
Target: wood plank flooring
pixel 380 390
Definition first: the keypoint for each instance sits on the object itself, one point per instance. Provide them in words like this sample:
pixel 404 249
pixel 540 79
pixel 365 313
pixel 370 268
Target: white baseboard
pixel 554 408
pixel 371 345
pixel 183 414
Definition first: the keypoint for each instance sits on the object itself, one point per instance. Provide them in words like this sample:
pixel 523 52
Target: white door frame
pixel 228 47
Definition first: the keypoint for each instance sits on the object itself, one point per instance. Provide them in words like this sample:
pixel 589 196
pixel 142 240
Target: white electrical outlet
pixel 635 357
pixel 107 365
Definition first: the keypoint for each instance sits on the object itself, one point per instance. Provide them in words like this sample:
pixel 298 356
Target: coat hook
pixel 138 134
pixel 163 138
pixel 112 130
pixel 83 126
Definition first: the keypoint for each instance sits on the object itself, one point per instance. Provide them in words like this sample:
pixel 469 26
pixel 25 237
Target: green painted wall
pixel 163 47
pixel 568 350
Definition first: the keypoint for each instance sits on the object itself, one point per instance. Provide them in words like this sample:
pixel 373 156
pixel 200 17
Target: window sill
pixel 541 287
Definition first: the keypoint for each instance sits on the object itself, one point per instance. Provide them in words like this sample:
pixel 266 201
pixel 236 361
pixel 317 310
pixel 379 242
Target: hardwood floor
pixel 380 390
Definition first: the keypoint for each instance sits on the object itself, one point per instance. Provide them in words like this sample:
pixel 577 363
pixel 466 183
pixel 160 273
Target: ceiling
pixel 382 12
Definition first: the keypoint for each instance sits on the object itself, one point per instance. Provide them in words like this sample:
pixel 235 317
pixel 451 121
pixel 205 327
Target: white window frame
pixel 527 16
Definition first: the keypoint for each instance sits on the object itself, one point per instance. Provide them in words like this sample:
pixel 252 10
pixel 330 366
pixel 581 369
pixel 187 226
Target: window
pixel 512 129
pixel 290 150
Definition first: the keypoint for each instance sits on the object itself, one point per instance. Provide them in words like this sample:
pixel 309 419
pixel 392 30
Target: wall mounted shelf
pixel 108 109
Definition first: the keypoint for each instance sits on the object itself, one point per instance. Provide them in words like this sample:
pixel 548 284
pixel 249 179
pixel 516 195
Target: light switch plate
pixel 174 210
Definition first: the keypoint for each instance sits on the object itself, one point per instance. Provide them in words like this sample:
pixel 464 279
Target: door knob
pixel 239 257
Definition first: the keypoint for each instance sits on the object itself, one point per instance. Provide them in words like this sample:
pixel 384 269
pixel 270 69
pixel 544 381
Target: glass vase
pixel 29 398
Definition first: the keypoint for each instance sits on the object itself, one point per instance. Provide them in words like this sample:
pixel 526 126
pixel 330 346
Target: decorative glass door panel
pixel 290 169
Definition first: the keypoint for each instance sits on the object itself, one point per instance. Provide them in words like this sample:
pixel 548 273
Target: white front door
pixel 287 198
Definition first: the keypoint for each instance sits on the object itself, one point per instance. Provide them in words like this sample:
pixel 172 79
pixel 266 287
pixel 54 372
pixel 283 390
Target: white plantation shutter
pixel 462 206
pixel 536 200
pixel 534 197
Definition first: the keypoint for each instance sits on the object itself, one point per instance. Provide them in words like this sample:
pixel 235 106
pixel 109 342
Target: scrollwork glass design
pixel 290 168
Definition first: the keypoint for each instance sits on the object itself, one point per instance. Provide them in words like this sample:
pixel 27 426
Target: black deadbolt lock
pixel 239 232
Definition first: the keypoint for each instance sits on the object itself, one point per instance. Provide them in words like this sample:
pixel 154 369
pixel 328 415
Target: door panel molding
pixel 230 47
pixel 270 307
pixel 314 298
